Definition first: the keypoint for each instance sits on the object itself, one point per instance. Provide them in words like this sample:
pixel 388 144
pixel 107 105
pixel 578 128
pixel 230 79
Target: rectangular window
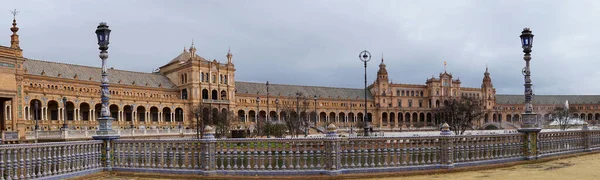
pixel 410 103
pixel 399 103
pixel 420 103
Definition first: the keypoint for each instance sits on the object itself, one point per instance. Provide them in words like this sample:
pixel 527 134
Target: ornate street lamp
pixel 105 131
pixel 529 118
pixel 65 125
pixel 36 108
pixel 315 98
pixel 365 57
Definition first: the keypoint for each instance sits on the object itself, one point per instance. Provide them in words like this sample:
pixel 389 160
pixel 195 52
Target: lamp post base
pixel 105 131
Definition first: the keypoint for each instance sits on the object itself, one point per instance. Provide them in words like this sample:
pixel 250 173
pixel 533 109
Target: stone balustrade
pixel 328 155
pixel 87 134
pixel 50 160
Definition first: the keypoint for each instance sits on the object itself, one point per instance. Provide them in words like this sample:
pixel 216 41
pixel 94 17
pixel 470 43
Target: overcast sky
pixel 317 42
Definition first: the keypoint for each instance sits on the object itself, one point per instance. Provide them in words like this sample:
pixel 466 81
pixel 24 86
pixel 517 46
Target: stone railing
pixel 334 155
pixel 328 155
pixel 50 160
pixel 88 134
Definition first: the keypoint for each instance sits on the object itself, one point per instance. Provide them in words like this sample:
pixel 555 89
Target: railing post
pixel 332 147
pixel 208 149
pixel 530 145
pixel 446 147
pixel 586 137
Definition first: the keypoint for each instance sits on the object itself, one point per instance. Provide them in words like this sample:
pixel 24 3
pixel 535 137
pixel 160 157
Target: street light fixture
pixel 105 131
pixel 529 118
pixel 65 125
pixel 365 57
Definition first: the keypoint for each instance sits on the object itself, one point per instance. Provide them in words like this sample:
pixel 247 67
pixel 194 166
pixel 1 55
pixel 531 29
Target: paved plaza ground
pixel 573 168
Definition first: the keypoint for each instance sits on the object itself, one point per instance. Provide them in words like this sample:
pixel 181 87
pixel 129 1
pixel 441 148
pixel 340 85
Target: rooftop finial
pixel 14 38
pixel 486 67
pixel 193 49
pixel 229 55
pixel 382 57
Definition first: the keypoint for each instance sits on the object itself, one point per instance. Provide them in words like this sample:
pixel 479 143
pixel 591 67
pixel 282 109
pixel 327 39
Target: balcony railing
pixel 215 101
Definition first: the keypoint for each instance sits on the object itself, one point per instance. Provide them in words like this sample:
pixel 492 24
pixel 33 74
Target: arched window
pixel 226 79
pixel 205 94
pixel 214 79
pixel 201 77
pixel 402 92
pixel 184 94
pixel 412 93
pixel 214 94
pixel 421 93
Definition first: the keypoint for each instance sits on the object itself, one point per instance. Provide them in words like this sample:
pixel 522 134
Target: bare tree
pixel 291 119
pixel 224 122
pixel 460 113
pixel 563 117
pixel 201 119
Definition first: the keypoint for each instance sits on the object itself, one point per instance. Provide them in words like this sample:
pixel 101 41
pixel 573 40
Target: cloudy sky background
pixel 317 42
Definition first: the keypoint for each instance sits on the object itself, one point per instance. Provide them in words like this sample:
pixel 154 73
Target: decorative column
pixel 529 127
pixel 105 131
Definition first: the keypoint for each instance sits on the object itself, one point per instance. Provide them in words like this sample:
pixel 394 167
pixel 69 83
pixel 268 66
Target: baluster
pixel 34 162
pixel 359 153
pixel 298 156
pixel 269 156
pixel 291 155
pixel 255 159
pixel 277 152
pixel 410 151
pixel 69 158
pixel 2 164
pixel 305 155
pixel 283 155
pixel 365 152
pixel 8 164
pixel 404 152
pixel 155 161
pixel 428 150
pixel 319 156
pixel 352 153
pixel 311 152
pixel 372 153
pixel 423 150
pixel 261 152
pixel 435 150
pixel 235 155
pixel 227 154
pixel 389 152
pixel 248 156
pixel 75 160
pixel 379 153
pixel 16 164
pixel 477 142
pixel 148 155
pixel 393 147
pixel 26 163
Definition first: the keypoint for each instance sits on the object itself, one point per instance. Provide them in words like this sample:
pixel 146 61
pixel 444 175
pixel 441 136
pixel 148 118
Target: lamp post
pixel 36 108
pixel 365 57
pixel 267 113
pixel 65 125
pixel 298 109
pixel 529 118
pixel 315 99
pixel 132 126
pixel 277 108
pixel 258 115
pixel 105 131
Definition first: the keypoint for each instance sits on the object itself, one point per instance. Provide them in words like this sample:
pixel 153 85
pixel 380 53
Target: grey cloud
pixel 317 42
